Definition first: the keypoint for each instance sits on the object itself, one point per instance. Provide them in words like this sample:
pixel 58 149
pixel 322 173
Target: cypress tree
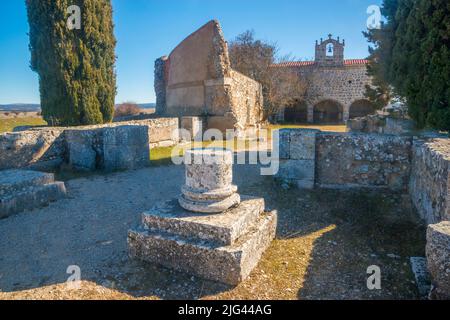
pixel 412 54
pixel 77 80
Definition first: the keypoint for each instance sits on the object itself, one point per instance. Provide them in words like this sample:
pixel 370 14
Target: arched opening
pixel 297 112
pixel 361 108
pixel 328 111
pixel 330 50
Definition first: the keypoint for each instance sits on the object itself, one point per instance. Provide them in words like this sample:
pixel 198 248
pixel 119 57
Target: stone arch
pixel 361 108
pixel 328 111
pixel 297 112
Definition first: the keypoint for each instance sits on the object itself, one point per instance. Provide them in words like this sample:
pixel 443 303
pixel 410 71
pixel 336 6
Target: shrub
pixel 127 109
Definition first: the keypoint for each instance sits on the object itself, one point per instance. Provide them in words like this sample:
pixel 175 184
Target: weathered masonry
pixel 196 79
pixel 336 86
pixel 311 158
pixel 119 145
pixel 419 167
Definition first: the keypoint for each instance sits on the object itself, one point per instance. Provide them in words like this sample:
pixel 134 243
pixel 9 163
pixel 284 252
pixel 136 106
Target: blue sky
pixel 148 29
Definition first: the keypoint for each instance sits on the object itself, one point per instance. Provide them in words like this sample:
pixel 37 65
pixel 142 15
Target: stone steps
pixel 209 259
pixel 25 190
pixel 224 228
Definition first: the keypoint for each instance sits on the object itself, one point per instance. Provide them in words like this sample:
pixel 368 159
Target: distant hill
pixel 22 107
pixel 33 107
pixel 147 105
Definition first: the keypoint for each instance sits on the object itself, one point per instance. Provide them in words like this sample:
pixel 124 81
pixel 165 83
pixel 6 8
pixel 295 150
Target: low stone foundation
pixel 25 190
pixel 344 160
pixel 28 149
pixel 429 182
pixel 416 166
pixel 47 148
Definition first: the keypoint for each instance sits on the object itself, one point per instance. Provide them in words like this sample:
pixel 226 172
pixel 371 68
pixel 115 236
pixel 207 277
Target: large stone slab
pixel 12 181
pixel 298 172
pixel 223 228
pixel 302 144
pixel 438 258
pixel 84 148
pixel 227 264
pixel 25 190
pixel 125 147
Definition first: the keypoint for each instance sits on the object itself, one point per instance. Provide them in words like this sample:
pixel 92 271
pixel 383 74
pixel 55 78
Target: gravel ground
pixel 325 242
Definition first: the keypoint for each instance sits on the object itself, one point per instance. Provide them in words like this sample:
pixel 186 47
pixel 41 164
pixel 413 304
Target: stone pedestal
pixel 224 245
pixel 25 190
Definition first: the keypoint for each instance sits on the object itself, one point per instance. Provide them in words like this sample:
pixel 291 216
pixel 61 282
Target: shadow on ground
pixel 325 241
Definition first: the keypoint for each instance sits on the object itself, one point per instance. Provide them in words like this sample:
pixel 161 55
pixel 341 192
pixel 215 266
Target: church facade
pixel 336 86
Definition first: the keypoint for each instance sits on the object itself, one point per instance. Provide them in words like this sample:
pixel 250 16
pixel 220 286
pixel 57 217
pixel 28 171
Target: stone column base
pixel 223 247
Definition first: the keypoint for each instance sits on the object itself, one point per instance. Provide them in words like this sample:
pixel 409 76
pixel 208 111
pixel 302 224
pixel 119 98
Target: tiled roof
pixel 293 64
pixel 351 62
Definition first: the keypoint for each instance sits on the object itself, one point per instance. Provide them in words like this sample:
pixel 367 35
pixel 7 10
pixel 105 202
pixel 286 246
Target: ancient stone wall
pixel 429 185
pixel 247 100
pixel 44 147
pixel 343 85
pixel 196 79
pixel 343 160
pixel 330 79
pixel 83 146
pixel 363 160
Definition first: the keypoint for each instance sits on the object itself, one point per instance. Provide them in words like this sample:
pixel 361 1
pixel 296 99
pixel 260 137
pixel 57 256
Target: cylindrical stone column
pixel 209 175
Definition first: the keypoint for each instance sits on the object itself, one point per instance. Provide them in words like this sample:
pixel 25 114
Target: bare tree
pixel 258 60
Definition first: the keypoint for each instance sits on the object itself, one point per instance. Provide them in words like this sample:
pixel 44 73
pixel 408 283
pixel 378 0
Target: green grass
pixel 7 125
pixel 332 128
pixel 163 155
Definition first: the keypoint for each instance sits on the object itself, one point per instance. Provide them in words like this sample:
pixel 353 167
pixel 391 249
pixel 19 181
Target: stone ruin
pixel 417 166
pixel 335 86
pixel 392 119
pixel 25 190
pixel 210 230
pixel 196 79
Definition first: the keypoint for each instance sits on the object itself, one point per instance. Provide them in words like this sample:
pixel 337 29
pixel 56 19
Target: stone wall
pixel 27 149
pixel 45 148
pixel 196 79
pixel 343 160
pixel 363 160
pixel 419 166
pixel 429 184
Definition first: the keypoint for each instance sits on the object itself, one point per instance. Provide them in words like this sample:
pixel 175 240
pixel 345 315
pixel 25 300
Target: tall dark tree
pixel 75 66
pixel 411 54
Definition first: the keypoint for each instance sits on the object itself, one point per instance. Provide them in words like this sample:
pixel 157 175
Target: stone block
pixel 227 264
pixel 438 258
pixel 125 147
pixel 284 143
pixel 194 125
pixel 82 149
pixel 421 274
pixel 296 169
pixel 12 181
pixel 223 228
pixel 302 144
pixel 25 190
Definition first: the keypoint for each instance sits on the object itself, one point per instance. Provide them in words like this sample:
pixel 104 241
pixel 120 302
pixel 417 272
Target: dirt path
pixel 325 242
